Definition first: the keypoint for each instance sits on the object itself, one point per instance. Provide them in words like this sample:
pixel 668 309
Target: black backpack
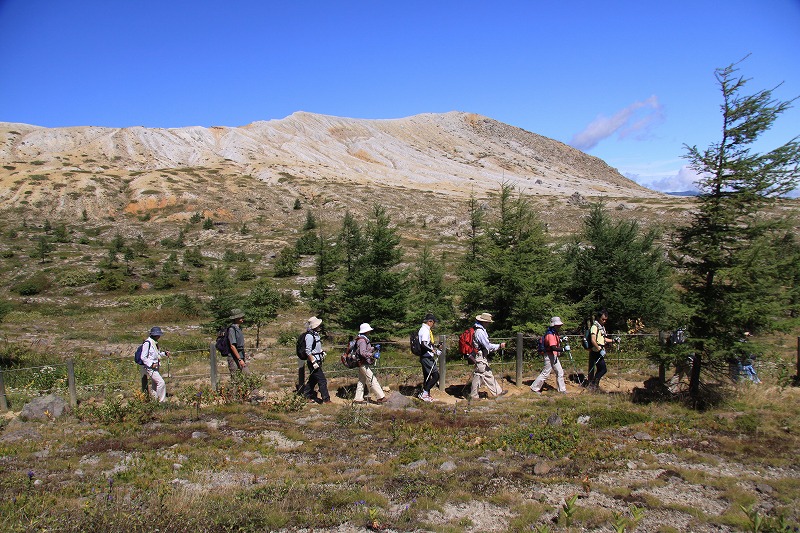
pixel 222 344
pixel 416 347
pixel 300 347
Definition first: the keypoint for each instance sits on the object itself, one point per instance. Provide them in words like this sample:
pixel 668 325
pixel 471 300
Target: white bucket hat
pixel 555 321
pixel 314 322
pixel 484 317
pixel 364 328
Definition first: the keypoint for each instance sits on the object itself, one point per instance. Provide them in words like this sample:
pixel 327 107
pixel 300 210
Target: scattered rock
pixel 199 435
pixel 417 464
pixel 541 468
pixel 554 420
pixel 763 488
pixel 641 435
pixel 22 434
pixel 448 466
pixel 583 419
pixel 176 466
pixel 43 408
pixel 398 401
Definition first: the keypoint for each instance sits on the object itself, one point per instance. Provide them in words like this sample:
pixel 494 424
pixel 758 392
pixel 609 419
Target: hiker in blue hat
pixel 151 359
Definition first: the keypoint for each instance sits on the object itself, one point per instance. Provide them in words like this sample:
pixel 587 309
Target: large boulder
pixel 43 408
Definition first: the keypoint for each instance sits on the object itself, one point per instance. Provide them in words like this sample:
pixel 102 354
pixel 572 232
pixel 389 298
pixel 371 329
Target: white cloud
pixel 636 121
pixel 684 179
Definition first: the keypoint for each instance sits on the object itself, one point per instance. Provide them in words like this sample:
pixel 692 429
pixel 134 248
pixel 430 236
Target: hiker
pixel 430 372
pixel 237 360
pixel 552 343
pixel 598 342
pixel 746 361
pixel 367 354
pixel 315 356
pixel 482 374
pixel 151 359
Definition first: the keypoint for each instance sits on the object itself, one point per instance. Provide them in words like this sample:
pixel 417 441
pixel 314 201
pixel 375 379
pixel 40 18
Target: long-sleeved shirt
pixel 481 340
pixel 313 345
pixel 150 353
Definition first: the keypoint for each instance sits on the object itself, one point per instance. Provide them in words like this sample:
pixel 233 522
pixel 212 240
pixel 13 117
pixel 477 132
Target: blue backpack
pixel 137 356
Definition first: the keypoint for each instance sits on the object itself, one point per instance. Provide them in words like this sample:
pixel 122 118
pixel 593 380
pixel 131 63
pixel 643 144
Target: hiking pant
pixel 317 379
pixel 159 388
pixel 301 375
pixel 482 375
pixel 430 374
pixel 367 380
pixel 597 368
pixel 233 367
pixel 550 362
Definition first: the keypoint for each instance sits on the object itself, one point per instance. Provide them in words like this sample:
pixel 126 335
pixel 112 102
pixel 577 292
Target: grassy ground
pixel 206 462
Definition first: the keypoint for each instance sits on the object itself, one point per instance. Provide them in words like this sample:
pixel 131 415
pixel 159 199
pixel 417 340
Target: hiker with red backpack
pixel 428 352
pixel 482 374
pixel 367 353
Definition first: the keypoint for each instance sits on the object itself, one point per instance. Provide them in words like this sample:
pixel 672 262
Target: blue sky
pixel 628 81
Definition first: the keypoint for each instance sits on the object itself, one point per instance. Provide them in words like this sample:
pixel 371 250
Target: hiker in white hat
pixel 315 355
pixel 552 347
pixel 482 374
pixel 367 353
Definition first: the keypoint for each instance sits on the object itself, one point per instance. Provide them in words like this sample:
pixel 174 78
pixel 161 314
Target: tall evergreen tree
pixel 327 267
pixel 223 297
pixel 261 305
pixel 620 267
pixel 513 274
pixel 376 290
pixel 727 252
pixel 428 293
pixel 350 241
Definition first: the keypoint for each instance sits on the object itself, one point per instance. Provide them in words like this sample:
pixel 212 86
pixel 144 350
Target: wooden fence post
pixel 73 394
pixel 3 401
pixel 443 363
pixel 212 356
pixel 518 378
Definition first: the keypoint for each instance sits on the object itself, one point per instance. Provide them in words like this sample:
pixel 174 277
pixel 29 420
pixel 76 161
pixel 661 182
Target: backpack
pixel 137 355
pixel 541 347
pixel 351 358
pixel 416 347
pixel 222 345
pixel 300 348
pixel 585 341
pixel 466 344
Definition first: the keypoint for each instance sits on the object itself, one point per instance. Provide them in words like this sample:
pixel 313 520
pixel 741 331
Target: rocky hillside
pixel 251 170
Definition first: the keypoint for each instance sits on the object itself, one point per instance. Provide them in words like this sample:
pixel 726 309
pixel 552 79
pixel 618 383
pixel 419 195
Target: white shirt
pixel 150 353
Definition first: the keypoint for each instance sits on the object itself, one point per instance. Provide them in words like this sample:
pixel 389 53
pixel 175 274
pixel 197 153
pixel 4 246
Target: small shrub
pixel 35 285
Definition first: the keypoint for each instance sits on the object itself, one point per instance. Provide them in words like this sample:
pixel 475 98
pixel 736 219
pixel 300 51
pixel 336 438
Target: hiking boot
pixel 502 393
pixel 425 397
pixel 536 391
pixel 382 400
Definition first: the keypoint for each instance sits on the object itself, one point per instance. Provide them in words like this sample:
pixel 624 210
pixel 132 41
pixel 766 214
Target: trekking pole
pixel 567 349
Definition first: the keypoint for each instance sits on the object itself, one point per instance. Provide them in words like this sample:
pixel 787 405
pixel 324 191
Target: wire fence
pixel 87 374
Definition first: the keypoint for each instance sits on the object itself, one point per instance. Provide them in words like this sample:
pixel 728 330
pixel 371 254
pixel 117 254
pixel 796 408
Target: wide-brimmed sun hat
pixel 314 322
pixel 155 331
pixel 555 321
pixel 236 314
pixel 364 328
pixel 484 317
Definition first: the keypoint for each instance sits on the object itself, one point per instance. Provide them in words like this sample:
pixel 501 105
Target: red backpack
pixel 466 344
